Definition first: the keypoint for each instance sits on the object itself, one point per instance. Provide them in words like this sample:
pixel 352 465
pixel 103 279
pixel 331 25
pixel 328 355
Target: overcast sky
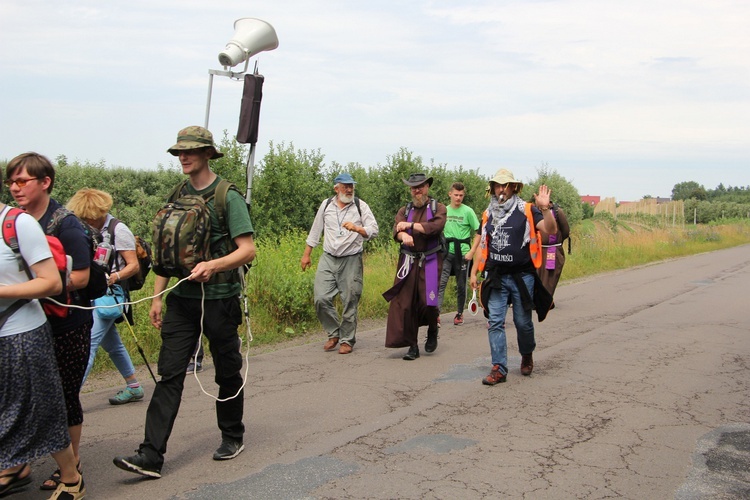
pixel 623 98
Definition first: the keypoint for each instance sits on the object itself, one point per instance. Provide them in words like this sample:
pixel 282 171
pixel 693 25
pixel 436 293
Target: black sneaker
pixel 228 449
pixel 194 367
pixel 139 464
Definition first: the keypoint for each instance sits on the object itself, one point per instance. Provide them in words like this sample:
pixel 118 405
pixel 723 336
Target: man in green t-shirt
pixel 461 222
pixel 207 303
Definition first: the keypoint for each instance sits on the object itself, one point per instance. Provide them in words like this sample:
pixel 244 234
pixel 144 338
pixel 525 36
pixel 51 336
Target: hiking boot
pixel 345 348
pixel 412 354
pixel 73 491
pixel 127 395
pixel 331 344
pixel 527 364
pixel 432 341
pixel 495 376
pixel 229 449
pixel 459 319
pixel 194 367
pixel 139 464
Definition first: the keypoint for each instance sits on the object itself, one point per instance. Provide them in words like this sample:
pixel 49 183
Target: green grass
pixel 280 294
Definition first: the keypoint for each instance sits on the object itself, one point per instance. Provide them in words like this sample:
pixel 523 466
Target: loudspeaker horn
pixel 250 37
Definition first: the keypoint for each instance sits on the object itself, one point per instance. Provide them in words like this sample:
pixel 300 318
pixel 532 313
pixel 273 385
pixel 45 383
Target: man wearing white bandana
pixel 510 251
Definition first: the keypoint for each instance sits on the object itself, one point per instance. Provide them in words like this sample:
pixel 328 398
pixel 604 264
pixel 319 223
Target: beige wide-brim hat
pixel 194 137
pixel 505 176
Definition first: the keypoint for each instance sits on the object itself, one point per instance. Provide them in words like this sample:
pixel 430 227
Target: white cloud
pixel 590 87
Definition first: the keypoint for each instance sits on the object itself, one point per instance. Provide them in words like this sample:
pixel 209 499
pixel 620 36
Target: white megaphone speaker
pixel 250 37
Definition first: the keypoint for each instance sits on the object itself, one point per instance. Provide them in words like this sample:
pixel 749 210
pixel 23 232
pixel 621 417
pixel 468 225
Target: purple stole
pixel 431 277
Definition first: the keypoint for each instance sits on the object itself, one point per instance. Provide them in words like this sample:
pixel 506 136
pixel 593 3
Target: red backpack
pixel 10 236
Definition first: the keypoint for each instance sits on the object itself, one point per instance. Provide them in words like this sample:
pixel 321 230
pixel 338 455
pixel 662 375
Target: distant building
pixel 660 200
pixel 591 200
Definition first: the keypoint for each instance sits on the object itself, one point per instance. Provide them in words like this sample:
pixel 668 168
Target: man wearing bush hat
pixel 206 303
pixel 345 222
pixel 509 253
pixel 414 295
pixel 195 138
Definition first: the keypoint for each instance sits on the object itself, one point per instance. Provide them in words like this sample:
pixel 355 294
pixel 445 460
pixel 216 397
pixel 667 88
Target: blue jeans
pixel 104 333
pixel 498 306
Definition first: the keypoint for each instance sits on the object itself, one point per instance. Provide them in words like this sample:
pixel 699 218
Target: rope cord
pixel 403 271
pixel 249 334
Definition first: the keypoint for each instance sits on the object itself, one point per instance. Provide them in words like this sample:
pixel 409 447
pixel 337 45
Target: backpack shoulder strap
pixel 220 201
pixel 111 229
pixel 10 236
pixel 15 306
pixel 328 202
pixel 9 228
pixel 53 226
pixel 177 191
pixel 359 209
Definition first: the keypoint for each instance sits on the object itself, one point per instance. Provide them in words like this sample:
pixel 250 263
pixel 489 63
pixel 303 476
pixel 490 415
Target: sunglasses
pixel 20 182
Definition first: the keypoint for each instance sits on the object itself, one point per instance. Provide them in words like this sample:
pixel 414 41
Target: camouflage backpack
pixel 182 230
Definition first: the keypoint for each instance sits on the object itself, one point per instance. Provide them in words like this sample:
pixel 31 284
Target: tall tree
pixel 288 189
pixel 688 190
pixel 563 192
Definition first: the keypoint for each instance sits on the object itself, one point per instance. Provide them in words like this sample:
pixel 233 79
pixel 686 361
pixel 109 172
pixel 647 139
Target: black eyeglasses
pixel 20 182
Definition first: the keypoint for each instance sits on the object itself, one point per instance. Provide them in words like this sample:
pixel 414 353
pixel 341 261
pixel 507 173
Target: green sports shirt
pixel 460 224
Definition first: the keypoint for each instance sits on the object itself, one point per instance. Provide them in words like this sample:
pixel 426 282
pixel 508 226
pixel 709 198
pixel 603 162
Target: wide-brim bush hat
pixel 195 137
pixel 415 180
pixel 344 178
pixel 505 176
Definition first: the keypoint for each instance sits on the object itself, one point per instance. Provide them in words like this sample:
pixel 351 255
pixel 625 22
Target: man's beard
pixel 419 200
pixel 346 199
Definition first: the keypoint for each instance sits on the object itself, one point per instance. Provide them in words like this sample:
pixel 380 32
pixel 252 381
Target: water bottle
pixel 103 252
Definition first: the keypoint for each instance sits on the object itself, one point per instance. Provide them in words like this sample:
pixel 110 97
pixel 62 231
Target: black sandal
pixel 15 480
pixel 55 478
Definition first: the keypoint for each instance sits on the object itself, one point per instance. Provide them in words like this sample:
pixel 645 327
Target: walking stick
pixel 138 346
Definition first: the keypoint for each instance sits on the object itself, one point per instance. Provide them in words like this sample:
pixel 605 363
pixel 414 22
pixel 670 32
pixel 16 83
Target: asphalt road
pixel 640 390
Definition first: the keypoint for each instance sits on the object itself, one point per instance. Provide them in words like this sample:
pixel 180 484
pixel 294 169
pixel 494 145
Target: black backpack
pixel 97 285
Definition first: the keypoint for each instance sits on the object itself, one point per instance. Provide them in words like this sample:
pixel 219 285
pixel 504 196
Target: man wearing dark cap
pixel 346 223
pixel 212 292
pixel 414 295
